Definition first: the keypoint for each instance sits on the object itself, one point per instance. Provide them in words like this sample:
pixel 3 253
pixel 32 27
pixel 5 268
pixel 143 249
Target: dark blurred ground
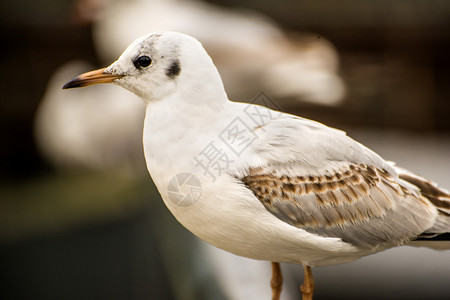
pixel 395 60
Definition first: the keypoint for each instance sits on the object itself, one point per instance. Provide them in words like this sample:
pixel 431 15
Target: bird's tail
pixel 439 197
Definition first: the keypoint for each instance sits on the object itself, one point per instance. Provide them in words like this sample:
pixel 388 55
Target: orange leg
pixel 276 283
pixel 307 288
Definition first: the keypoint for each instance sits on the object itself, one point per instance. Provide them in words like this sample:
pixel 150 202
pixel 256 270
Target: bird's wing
pixel 318 179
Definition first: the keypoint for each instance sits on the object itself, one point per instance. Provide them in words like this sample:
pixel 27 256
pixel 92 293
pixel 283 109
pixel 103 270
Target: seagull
pixel 260 183
pixel 72 135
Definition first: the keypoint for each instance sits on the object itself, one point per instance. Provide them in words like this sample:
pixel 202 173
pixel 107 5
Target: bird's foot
pixel 307 288
pixel 276 283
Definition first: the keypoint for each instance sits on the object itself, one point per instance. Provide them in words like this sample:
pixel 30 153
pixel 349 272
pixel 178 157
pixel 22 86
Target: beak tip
pixel 69 85
pixel 73 83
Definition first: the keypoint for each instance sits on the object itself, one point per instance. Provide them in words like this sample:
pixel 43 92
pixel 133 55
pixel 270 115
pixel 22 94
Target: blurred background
pixel 79 215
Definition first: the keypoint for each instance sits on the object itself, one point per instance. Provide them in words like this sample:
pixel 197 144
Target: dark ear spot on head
pixel 174 69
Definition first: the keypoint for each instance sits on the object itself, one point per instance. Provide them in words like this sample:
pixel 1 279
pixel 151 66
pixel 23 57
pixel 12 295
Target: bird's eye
pixel 142 62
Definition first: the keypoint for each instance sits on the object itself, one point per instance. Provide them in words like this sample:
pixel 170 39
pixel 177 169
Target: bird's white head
pixel 161 65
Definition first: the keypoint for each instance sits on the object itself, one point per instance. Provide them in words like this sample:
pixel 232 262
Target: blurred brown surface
pixel 395 58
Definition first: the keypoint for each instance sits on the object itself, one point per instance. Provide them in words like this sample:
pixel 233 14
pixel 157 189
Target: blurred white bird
pixel 99 129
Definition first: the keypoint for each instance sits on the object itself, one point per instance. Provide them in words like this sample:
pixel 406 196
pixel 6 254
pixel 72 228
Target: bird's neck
pixel 201 85
pixel 185 110
pixel 174 132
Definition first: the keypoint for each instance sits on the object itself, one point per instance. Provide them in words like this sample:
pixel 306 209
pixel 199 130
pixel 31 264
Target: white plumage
pixel 242 176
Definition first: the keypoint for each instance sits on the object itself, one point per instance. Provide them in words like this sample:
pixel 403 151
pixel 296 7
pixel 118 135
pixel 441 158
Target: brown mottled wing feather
pixel 439 197
pixel 358 203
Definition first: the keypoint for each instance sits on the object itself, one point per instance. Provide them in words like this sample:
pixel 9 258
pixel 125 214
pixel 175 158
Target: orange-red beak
pixel 90 78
